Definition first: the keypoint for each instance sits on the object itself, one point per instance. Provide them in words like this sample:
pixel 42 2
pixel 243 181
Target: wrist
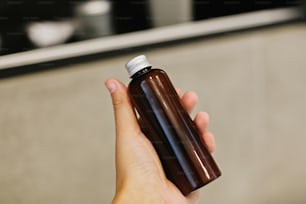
pixel 123 196
pixel 118 200
pixel 136 197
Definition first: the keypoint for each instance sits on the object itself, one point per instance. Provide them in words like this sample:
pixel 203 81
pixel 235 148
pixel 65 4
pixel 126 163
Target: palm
pixel 144 163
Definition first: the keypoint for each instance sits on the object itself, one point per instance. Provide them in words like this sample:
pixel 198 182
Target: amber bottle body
pixel 186 161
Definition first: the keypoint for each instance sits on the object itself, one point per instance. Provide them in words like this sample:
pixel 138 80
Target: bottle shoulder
pixel 150 75
pixel 157 70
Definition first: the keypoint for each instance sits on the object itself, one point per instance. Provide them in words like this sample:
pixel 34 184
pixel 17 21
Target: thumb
pixel 125 120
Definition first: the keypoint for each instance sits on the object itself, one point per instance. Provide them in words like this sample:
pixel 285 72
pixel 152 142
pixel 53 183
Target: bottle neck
pixel 141 72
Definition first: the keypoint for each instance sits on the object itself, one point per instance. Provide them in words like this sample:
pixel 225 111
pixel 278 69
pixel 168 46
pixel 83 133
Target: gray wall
pixel 57 131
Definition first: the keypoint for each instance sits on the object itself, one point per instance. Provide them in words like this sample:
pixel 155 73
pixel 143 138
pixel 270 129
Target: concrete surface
pixel 57 131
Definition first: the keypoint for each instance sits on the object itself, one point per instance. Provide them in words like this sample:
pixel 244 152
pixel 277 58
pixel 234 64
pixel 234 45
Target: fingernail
pixel 111 86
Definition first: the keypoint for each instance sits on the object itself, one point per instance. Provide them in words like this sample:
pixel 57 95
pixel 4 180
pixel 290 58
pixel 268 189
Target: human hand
pixel 139 174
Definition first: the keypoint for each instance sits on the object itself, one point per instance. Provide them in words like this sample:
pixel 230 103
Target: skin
pixel 139 175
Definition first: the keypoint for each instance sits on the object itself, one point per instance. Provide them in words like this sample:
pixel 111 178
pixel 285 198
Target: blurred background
pixel 245 59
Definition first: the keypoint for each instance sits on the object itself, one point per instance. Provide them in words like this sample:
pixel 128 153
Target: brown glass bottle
pixel 175 137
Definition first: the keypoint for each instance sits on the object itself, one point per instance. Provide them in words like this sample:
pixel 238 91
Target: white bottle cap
pixel 136 64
